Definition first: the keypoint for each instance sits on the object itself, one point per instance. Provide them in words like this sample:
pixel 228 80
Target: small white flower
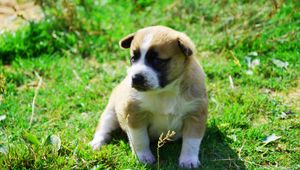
pixel 2 117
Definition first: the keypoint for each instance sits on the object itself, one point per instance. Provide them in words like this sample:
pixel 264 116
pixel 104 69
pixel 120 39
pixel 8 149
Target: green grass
pixel 75 51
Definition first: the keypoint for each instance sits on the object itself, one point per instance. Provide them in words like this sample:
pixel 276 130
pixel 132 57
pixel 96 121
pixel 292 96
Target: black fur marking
pixel 160 66
pixel 136 56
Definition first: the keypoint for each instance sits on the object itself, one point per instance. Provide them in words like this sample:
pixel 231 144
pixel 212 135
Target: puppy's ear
pixel 186 45
pixel 126 41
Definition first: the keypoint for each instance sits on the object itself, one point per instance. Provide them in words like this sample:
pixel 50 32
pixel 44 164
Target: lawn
pixel 56 76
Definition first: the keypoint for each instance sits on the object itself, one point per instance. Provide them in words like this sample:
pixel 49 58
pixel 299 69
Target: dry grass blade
pixel 34 97
pixel 76 75
pixel 163 140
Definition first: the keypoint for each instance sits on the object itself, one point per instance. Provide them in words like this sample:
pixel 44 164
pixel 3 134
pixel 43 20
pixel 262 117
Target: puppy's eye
pixel 135 57
pixel 153 59
pixel 159 61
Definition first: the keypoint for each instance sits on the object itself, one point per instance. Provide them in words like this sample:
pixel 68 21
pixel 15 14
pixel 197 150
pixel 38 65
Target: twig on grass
pixel 240 150
pixel 225 159
pixel 77 76
pixel 35 95
pixel 231 82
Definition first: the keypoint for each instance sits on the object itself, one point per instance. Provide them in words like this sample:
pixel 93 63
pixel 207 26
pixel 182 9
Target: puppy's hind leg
pixel 107 123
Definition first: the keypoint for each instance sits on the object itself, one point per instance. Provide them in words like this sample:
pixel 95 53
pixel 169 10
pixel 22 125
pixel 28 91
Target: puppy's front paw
pixel 145 157
pixel 189 162
pixel 96 143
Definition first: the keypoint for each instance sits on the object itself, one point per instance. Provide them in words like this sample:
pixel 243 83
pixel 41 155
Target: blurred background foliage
pixel 93 28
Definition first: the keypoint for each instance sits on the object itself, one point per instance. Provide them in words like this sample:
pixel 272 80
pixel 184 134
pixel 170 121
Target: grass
pixel 75 51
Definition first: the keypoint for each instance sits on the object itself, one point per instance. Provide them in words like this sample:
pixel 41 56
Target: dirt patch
pixel 14 14
pixel 292 96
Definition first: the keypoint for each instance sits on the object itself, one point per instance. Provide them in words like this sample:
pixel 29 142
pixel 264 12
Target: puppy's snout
pixel 139 82
pixel 138 79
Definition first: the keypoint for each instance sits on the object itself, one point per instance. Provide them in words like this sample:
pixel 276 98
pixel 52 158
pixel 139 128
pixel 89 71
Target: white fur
pixel 141 68
pixel 147 72
pixel 168 109
pixel 139 142
pixel 108 123
pixel 146 44
pixel 97 141
pixel 189 153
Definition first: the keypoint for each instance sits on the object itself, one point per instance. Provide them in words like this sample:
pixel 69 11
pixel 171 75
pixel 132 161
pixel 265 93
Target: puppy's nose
pixel 138 80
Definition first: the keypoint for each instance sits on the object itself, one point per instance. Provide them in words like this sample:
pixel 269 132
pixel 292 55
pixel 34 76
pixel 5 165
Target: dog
pixel 164 90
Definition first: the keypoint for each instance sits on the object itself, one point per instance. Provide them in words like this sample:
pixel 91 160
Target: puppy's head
pixel 158 56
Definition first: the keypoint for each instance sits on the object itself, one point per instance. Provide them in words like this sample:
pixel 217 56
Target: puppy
pixel 163 90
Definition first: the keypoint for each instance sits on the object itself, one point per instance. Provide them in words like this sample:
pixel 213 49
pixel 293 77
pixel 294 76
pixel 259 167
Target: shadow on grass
pixel 215 153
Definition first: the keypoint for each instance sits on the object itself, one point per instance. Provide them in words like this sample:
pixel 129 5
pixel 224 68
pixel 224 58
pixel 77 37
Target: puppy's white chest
pixel 165 104
pixel 167 112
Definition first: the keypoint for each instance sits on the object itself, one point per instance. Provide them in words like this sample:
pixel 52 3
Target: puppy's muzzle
pixel 139 82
